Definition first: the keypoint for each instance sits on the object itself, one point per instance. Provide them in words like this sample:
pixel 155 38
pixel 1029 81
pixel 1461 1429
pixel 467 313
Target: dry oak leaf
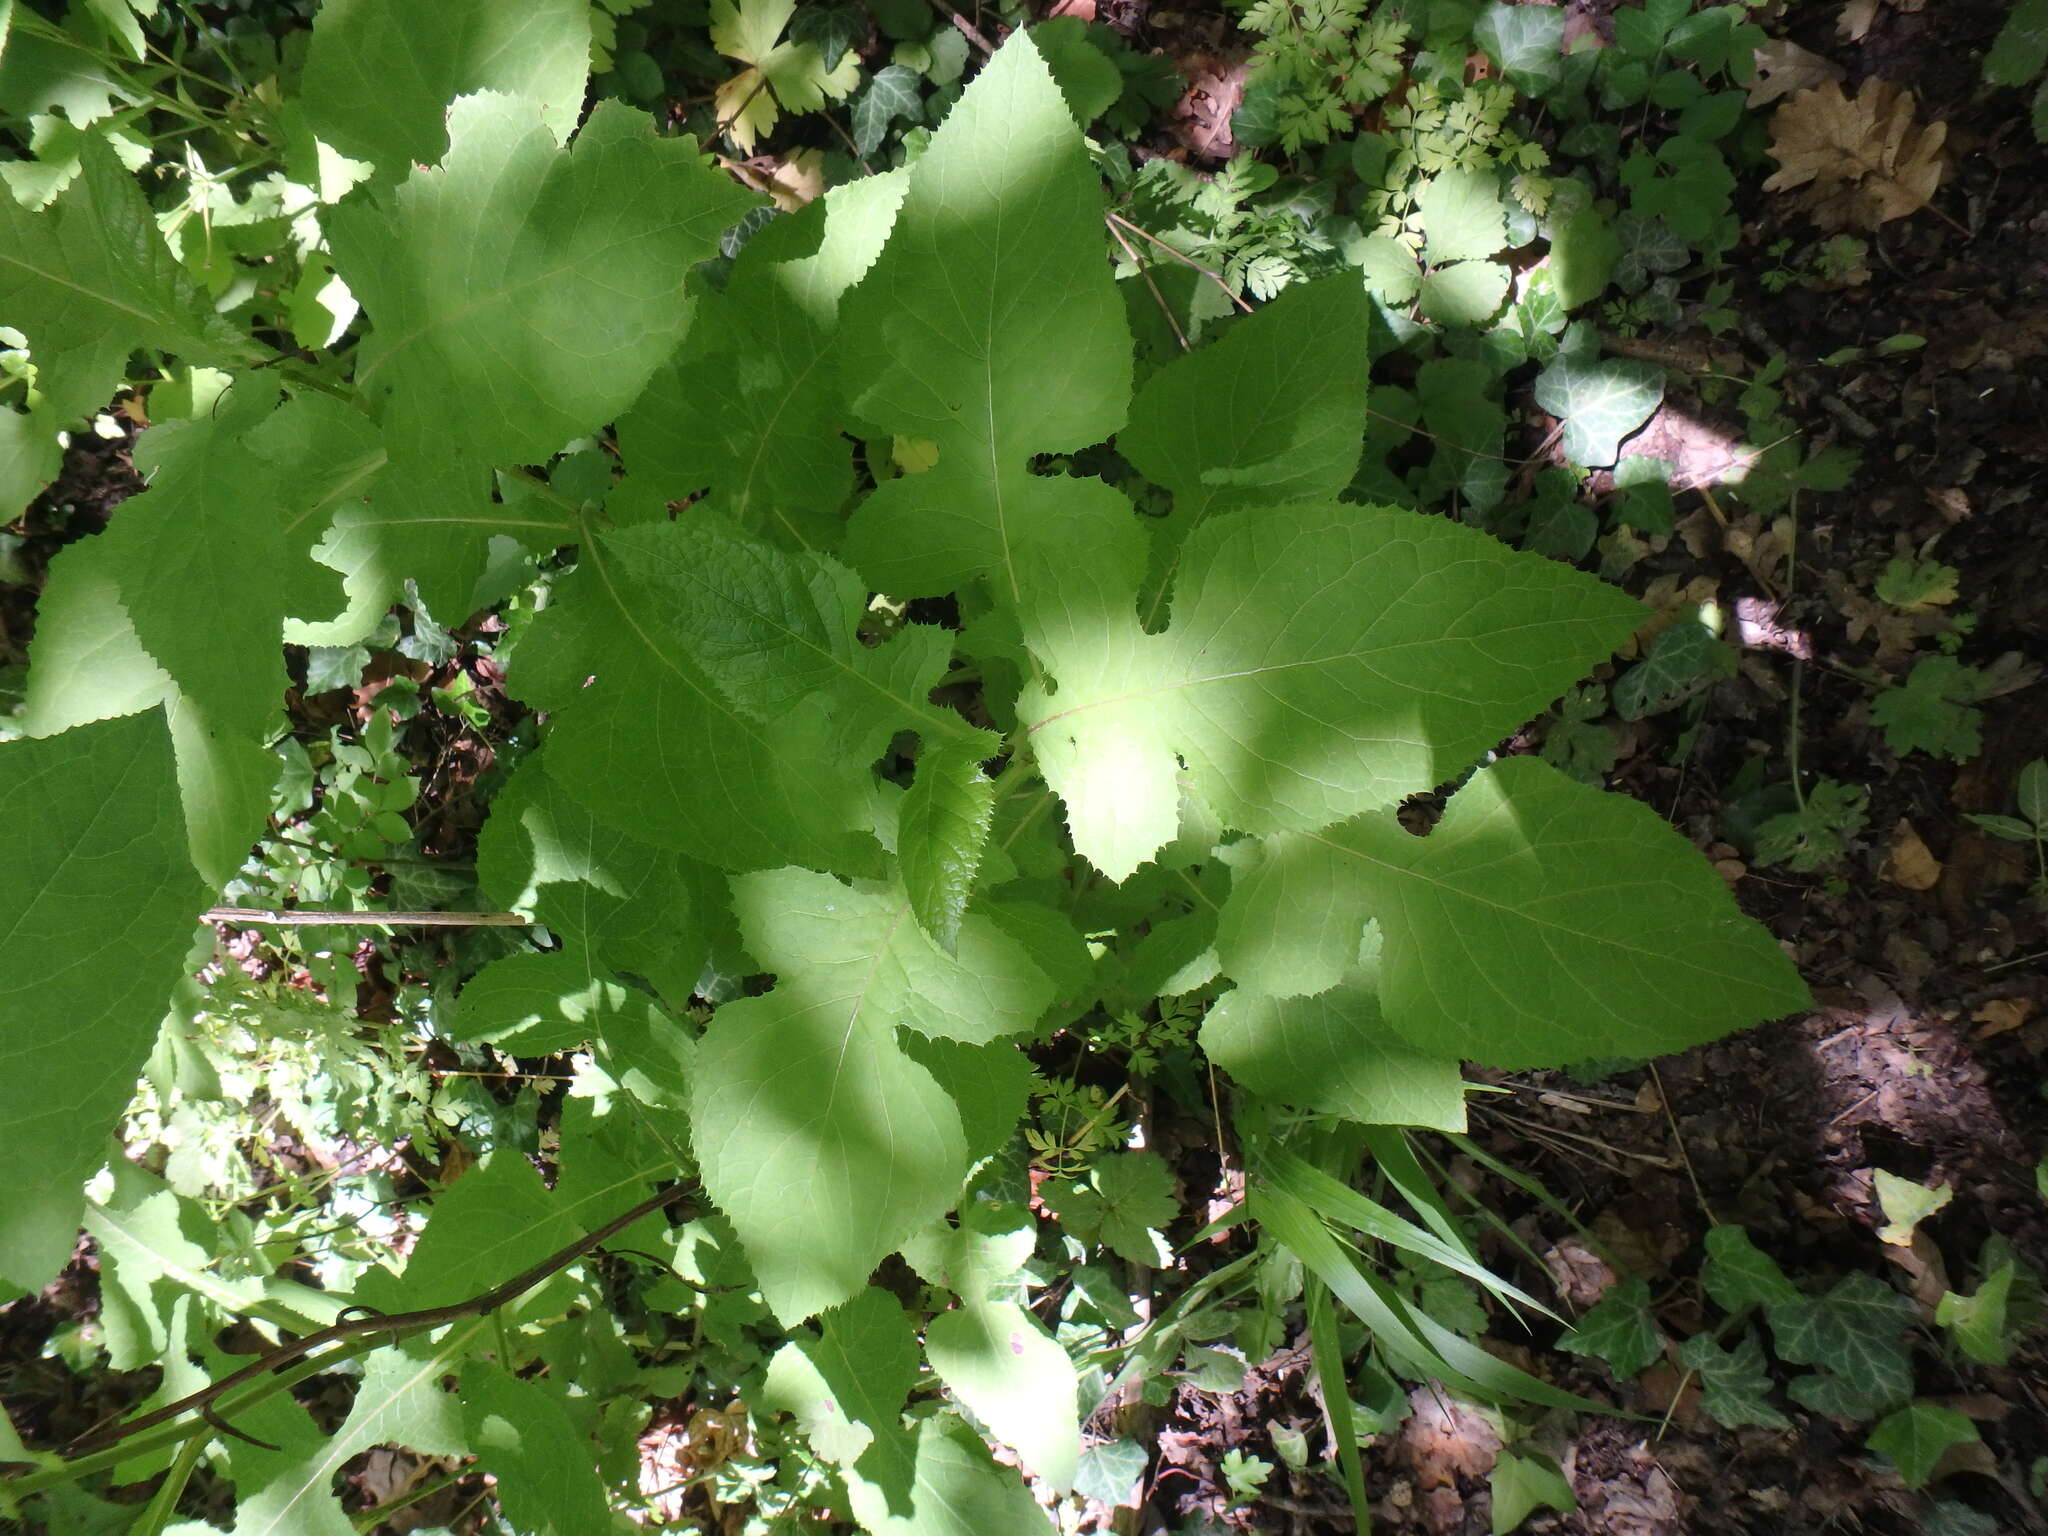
pixel 1860 161
pixel 1909 862
pixel 1782 67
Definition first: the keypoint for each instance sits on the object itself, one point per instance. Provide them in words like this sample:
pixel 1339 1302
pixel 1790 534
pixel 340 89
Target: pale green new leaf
pixel 96 917
pixel 749 409
pixel 90 279
pixel 1539 917
pixel 1333 1054
pixel 1979 1322
pixel 1524 1482
pixel 380 73
pixel 523 294
pixel 1273 412
pixel 824 1142
pixel 1462 219
pixel 1309 672
pixel 546 1469
pixel 990 326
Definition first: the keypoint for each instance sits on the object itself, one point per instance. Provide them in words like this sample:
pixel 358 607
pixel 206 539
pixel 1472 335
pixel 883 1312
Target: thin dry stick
pixel 1678 1140
pixel 300 917
pixel 1145 272
pixel 1183 258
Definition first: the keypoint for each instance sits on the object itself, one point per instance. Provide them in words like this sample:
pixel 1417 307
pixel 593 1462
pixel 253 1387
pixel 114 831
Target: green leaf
pixel 380 73
pixel 1110 1472
pixel 1621 1329
pixel 1914 585
pixel 1389 269
pixel 89 280
pixel 1272 412
pixel 1583 248
pixel 1127 1195
pixel 596 889
pixel 941 834
pixel 96 917
pixel 1029 353
pixel 2033 792
pixel 958 1490
pixel 1599 400
pixel 818 1136
pixel 997 1358
pixel 1524 1482
pixel 750 408
pixel 1333 1054
pixel 1462 219
pixel 1524 40
pixel 1464 292
pixel 1916 1437
pixel 544 1466
pixel 2020 51
pixel 1856 1332
pixel 1540 921
pixel 1684 658
pixel 1739 1275
pixel 1087 79
pixel 1933 711
pixel 1978 1322
pixel 832 29
pixel 507 319
pixel 1906 1204
pixel 1733 1382
pixel 893 93
pixel 1306 676
pixel 847 1384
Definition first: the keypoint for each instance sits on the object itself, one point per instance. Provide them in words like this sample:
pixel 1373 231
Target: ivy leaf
pixel 892 94
pixel 831 29
pixel 1906 1203
pixel 1030 354
pixel 1684 658
pixel 818 1136
pixel 1933 711
pixel 750 407
pixel 492 257
pixel 544 1465
pixel 1525 41
pixel 941 834
pixel 1333 1054
pixel 1733 1382
pixel 1272 412
pixel 1306 676
pixel 1915 1438
pixel 1127 1195
pixel 96 917
pixel 1739 1275
pixel 380 73
pixel 1978 1322
pixel 1462 219
pixel 1856 1332
pixel 1538 915
pixel 1599 400
pixel 1621 1329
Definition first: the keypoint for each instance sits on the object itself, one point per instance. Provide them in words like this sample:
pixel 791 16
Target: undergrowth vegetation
pixel 870 631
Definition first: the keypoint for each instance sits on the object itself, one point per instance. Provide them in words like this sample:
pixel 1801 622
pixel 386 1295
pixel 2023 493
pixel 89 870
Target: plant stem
pixel 298 917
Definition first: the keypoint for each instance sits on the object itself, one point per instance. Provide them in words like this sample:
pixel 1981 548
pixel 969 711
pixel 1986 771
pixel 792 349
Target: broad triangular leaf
pixel 990 326
pixel 96 916
pixel 1308 673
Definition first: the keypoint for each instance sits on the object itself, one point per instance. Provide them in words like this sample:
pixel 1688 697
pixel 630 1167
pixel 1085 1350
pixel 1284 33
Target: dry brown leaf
pixel 1909 862
pixel 2001 1014
pixel 1856 162
pixel 1856 18
pixel 1782 67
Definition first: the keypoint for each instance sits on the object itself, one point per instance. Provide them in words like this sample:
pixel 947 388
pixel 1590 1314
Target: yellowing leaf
pixel 1859 162
pixel 780 74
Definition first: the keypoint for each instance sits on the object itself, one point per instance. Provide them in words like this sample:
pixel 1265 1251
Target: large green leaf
pixel 380 73
pixel 990 325
pixel 546 1469
pixel 818 1136
pixel 847 1384
pixel 96 916
pixel 1540 922
pixel 1273 412
pixel 1334 1054
pixel 1322 660
pixel 750 408
pixel 89 280
pixel 523 294
pixel 957 1490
